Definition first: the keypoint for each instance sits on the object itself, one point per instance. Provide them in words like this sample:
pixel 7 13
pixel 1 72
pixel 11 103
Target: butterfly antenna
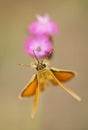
pixel 24 65
pixel 36 56
pixel 30 66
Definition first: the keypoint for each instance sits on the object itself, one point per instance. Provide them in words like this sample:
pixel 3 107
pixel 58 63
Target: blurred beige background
pixel 56 109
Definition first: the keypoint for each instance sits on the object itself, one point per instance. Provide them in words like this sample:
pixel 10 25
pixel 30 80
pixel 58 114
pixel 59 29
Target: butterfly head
pixel 40 65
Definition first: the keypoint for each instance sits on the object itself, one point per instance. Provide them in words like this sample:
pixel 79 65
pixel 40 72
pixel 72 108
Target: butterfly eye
pixel 44 65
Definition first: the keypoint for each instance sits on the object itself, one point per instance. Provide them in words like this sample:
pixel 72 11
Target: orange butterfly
pixel 43 77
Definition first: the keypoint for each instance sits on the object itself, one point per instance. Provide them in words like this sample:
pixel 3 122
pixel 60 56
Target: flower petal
pixel 43 25
pixel 40 45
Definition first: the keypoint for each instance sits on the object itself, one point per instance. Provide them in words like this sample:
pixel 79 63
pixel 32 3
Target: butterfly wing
pixel 62 75
pixel 30 88
pixel 40 87
pixel 36 96
pixel 58 82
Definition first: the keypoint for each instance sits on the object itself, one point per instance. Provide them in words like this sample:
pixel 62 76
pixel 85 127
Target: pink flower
pixel 43 25
pixel 38 45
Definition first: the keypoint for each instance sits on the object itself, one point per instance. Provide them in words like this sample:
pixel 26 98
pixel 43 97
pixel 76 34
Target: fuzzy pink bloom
pixel 40 45
pixel 43 25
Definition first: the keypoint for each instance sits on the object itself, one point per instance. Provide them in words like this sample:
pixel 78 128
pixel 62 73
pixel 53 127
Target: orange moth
pixel 43 77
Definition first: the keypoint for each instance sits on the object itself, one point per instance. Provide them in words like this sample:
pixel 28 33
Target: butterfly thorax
pixel 43 78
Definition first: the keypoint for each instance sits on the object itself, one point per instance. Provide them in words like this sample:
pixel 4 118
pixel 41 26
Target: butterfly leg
pixel 65 88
